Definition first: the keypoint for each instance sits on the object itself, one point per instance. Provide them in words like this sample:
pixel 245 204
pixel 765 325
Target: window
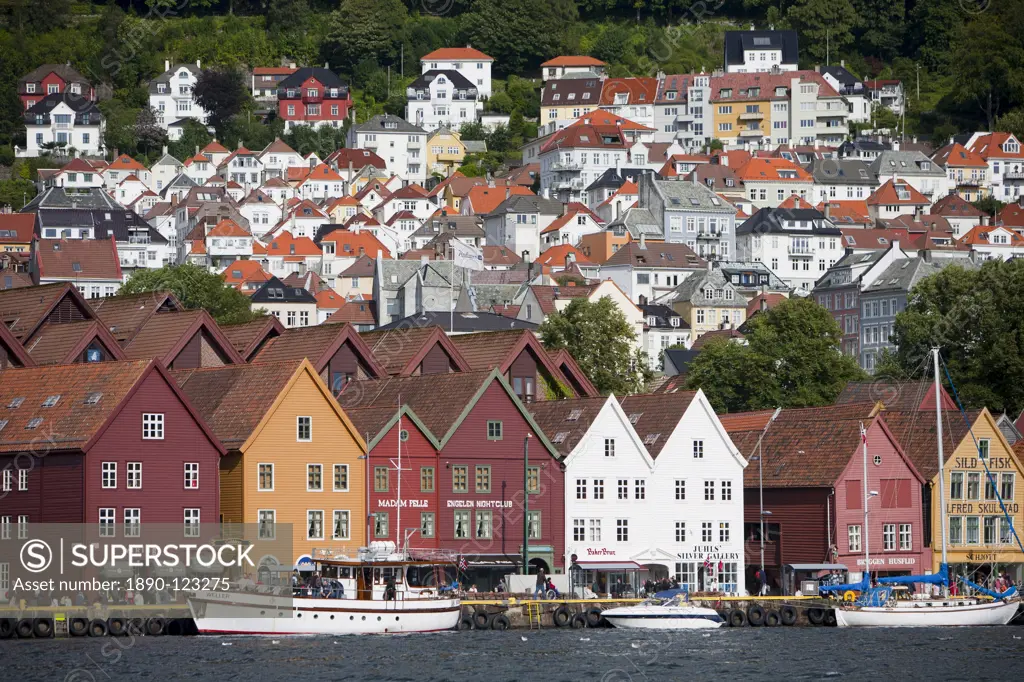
pixel 8 480
pixel 598 488
pixel 709 491
pixel 192 523
pixel 461 525
pixel 153 426
pixel 973 528
pixel 622 530
pixel 889 537
pixel 579 530
pixel 267 519
pixel 726 491
pixel 533 525
pixel 109 475
pixel 973 485
pixel 426 524
pixel 581 488
pixel 483 525
pixel 698 449
pixel 134 475
pixel 723 531
pixel 381 479
pixel 623 488
pixel 533 480
pixel 956 530
pixel 493 430
pixel 315 477
pixel 906 541
pixel 132 520
pixel 1006 488
pixel 22 479
pixel 609 447
pixel 5 527
pixel 340 527
pixel 381 523
pixel 853 538
pixel 191 475
pixel 990 526
pixel 341 478
pixel 680 489
pixel 107 522
pixel 460 479
pixel 483 479
pixel 640 489
pixel 990 486
pixel 304 428
pixel 706 532
pixel 956 485
pixel 266 477
pixel 426 479
pixel 595 530
pixel 983 446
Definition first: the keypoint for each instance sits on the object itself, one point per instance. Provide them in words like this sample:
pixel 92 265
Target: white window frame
pixel 334 478
pixel 22 479
pixel 272 481
pixel 134 471
pixel 298 429
pixel 309 519
pixel 191 526
pixel 271 525
pixel 108 476
pixel 107 517
pixel 132 527
pixel 348 524
pixel 152 426
pixel 191 475
pixel 321 488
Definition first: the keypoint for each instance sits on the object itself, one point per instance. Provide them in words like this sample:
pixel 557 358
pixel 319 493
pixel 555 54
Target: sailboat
pixel 877 606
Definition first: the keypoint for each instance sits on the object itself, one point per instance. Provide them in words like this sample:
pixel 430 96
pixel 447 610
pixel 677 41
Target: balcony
pixel 801 250
pixel 751 116
pixel 575 183
pixel 685 117
pixel 709 234
pixel 752 132
pixel 414 144
pixel 569 166
pixel 312 99
pixel 969 182
pixel 1013 175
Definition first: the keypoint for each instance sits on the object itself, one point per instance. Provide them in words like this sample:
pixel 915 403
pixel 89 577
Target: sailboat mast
pixel 942 459
pixel 864 489
pixel 398 502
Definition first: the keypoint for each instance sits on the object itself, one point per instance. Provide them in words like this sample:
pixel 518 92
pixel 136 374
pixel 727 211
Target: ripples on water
pixel 780 654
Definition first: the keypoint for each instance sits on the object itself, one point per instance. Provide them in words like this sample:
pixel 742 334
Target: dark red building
pixel 469 429
pixel 53 78
pixel 314 97
pixel 108 442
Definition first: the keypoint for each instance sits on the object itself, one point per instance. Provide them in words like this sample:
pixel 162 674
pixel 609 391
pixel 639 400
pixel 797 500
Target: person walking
pixel 542 583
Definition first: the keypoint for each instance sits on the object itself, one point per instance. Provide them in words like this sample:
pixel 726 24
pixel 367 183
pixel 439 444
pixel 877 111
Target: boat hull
pixel 256 614
pixel 663 618
pixel 992 613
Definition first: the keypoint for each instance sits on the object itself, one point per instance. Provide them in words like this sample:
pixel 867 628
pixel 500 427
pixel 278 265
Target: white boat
pixel 879 606
pixel 387 596
pixel 660 614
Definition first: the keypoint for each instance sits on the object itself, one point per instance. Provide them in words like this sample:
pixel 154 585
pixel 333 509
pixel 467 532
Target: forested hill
pixel 966 57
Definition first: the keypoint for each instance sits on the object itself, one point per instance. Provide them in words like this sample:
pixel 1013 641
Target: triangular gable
pixel 14 349
pixel 987 416
pixel 405 412
pixel 880 420
pixel 75 299
pixel 206 324
pixel 305 368
pixel 272 329
pixel 436 338
pixel 96 332
pixel 529 341
pixel 701 401
pixel 495 375
pixel 573 373
pixel 349 334
pixel 612 404
pixel 157 367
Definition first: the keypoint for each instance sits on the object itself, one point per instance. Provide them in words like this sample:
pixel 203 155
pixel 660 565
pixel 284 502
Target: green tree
pixel 193 136
pixel 791 359
pixel 988 79
pixel 149 135
pixel 974 317
pixel 366 29
pixel 825 26
pixel 223 94
pixel 601 340
pixel 473 131
pixel 16 192
pixel 195 287
pixel 882 23
pixel 1012 122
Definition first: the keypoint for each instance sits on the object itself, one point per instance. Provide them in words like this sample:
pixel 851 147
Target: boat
pixel 669 610
pixel 880 605
pixel 391 593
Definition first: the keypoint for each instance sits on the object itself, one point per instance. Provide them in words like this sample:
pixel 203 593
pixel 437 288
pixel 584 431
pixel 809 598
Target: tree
pixel 986 79
pixel 195 287
pixel 791 359
pixel 1012 122
pixel 601 340
pixel 973 316
pixel 148 134
pixel 16 192
pixel 194 135
pixel 366 29
pixel 882 23
pixel 825 26
pixel 222 93
pixel 472 131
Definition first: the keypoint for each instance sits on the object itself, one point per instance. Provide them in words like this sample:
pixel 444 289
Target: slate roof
pixel 59 197
pixel 326 77
pixel 902 163
pixel 458 81
pixel 464 322
pixel 655 417
pixel 902 275
pixel 736 42
pixel 691 196
pixel 841 172
pixel 772 221
pixel 376 125
pixel 657 255
pixel 83 109
pixel 527 203
pixel 287 294
pixel 583 92
pixel 234 399
pixel 637 221
pixel 68 74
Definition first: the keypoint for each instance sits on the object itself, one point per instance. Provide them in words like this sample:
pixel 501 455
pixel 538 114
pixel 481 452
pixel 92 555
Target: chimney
pixel 643 242
pixel 842 63
pixel 895 145
pixel 197 150
pixel 424 260
pixel 828 209
pixel 815 143
pixel 165 150
pixel 199 64
pixel 508 191
pixel 984 219
pixel 167 65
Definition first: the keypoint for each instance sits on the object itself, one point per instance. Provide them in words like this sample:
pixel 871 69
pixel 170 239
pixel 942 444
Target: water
pixel 778 654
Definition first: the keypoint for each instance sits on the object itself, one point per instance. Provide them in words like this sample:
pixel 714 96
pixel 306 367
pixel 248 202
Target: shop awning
pixel 817 567
pixel 609 565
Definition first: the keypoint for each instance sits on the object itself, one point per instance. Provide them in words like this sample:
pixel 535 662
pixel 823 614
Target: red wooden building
pixel 108 443
pixel 812 471
pixel 52 78
pixel 462 468
pixel 314 97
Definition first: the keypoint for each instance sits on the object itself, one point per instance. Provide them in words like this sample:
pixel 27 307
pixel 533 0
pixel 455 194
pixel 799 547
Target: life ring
pixel 465 623
pixel 481 619
pixel 42 628
pixel 772 618
pixel 116 626
pixel 755 616
pixel 594 617
pixel 6 628
pixel 561 616
pixel 500 622
pixel 98 628
pixel 579 621
pixel 788 615
pixel 24 628
pixel 830 618
pixel 155 627
pixel 78 627
pixel 737 618
pixel 849 595
pixel 815 615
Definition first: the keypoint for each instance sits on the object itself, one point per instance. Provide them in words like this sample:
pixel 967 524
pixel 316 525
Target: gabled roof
pixel 351 243
pixel 248 337
pixel 125 163
pixel 759 169
pixel 957 156
pixel 286 246
pixel 400 351
pixel 657 255
pixel 737 42
pixel 655 417
pixel 556 255
pixel 359 158
pixel 485 200
pixel 990 146
pixel 78 259
pixel 569 368
pixel 357 311
pixel 981 235
pixel 62 343
pixel 326 77
pixel 228 228
pixel 499 349
pixel 567 422
pixel 889 195
pixel 318 344
pixel 164 335
pixel 639 90
pixel 278 146
pixel 23 310
pixel 18 228
pixel 955 206
pixel 321 173
pixel 456 54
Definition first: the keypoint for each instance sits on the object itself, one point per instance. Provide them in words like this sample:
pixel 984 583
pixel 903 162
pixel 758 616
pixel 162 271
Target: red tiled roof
pixel 65 342
pixel 499 255
pixel 359 158
pixel 572 60
pixel 358 311
pixel 887 195
pixel 981 235
pixel 348 243
pixel 164 335
pixel 1012 215
pixel 555 255
pixel 22 225
pixel 241 271
pixel 640 90
pixel 957 156
pixel 283 243
pixel 704 338
pixel 125 162
pixel 77 165
pixel 246 337
pixel 770 301
pixel 955 206
pixel 846 212
pixel 215 147
pixel 990 146
pixel 228 228
pixel 455 54
pixel 322 173
pixel 768 170
pixel 484 199
pixel 400 351
pixel 329 300
pixel 318 344
pixel 78 259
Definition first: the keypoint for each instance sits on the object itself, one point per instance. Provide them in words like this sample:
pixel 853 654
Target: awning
pixel 817 567
pixel 610 566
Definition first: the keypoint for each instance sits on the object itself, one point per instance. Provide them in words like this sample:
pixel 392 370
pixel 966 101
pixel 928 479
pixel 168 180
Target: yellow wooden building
pixel 445 151
pixel 293 462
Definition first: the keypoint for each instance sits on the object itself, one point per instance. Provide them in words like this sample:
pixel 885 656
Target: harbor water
pixel 549 655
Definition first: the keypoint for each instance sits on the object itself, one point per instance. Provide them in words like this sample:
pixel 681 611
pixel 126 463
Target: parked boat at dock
pixel 667 612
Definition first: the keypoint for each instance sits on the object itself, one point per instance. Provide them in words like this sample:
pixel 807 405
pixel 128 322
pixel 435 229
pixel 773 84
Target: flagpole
pixel 451 293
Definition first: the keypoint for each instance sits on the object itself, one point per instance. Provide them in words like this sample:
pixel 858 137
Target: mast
pixel 398 502
pixel 942 459
pixel 864 490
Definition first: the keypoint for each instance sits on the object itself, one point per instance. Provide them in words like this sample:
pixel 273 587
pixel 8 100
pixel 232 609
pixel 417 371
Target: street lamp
pixel 526 503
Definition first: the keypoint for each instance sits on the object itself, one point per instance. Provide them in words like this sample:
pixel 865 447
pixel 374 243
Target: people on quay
pixel 542 583
pixel 472 589
pixel 500 587
pixel 390 591
pixel 551 588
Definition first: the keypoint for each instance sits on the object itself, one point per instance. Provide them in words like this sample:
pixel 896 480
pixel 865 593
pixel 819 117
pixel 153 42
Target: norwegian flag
pixel 863 435
pixel 707 562
pixel 463 564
